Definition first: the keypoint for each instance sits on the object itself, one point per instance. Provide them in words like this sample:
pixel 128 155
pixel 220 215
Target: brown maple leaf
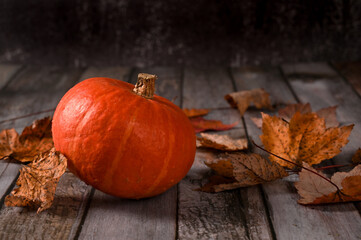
pixel 235 170
pixel 34 139
pixel 221 142
pixel 194 112
pixel 304 139
pixel 286 113
pixel 243 99
pixel 200 124
pixel 37 181
pixel 315 190
pixel 289 110
pixel 329 113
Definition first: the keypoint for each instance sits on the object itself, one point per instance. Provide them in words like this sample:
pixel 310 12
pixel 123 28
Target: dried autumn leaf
pixel 356 158
pixel 221 142
pixel 234 170
pixel 34 139
pixel 329 113
pixel 287 112
pixel 200 124
pixel 194 112
pixel 304 139
pixel 315 190
pixel 37 181
pixel 243 99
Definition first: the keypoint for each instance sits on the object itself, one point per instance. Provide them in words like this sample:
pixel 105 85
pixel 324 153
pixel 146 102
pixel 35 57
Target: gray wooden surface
pixel 269 211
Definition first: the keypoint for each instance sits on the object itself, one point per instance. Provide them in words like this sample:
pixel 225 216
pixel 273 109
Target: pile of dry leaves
pixel 296 139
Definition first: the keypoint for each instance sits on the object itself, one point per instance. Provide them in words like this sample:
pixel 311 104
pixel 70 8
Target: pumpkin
pixel 122 139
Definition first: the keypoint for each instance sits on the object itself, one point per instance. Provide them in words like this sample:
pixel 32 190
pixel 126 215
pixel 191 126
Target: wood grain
pixel 236 214
pixel 291 220
pixel 32 90
pixel 109 217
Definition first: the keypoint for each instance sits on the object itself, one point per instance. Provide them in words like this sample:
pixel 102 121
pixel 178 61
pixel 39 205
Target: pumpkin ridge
pixel 163 173
pixel 108 177
pixel 80 126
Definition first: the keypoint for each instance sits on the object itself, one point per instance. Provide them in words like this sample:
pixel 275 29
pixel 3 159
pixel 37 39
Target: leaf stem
pixel 298 165
pixel 332 166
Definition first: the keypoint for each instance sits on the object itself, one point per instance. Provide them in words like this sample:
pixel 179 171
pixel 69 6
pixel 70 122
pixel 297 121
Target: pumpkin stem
pixel 145 85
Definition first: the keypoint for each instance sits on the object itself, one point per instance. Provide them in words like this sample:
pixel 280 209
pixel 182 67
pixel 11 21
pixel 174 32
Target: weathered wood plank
pixel 35 89
pixel 6 72
pixel 155 218
pixel 291 220
pixel 352 72
pixel 237 214
pixel 114 218
pixel 32 90
pixel 335 91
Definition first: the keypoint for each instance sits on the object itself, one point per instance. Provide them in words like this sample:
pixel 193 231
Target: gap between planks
pixel 290 220
pixel 37 86
pixel 236 214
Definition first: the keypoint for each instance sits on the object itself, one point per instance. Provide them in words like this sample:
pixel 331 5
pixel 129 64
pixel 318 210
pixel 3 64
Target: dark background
pixel 168 33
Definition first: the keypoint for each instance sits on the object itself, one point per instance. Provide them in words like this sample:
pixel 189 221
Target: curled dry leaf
pixel 37 181
pixel 356 158
pixel 34 139
pixel 243 99
pixel 315 190
pixel 234 170
pixel 304 139
pixel 194 112
pixel 221 142
pixel 200 125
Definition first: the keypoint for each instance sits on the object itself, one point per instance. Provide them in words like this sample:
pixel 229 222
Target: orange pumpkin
pixel 121 139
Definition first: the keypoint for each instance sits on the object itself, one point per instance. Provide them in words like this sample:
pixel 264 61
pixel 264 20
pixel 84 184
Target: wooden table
pixel 268 211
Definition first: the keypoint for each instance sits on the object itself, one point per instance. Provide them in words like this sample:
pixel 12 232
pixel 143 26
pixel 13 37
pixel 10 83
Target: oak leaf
pixel 243 99
pixel 234 170
pixel 315 190
pixel 200 124
pixel 304 139
pixel 221 142
pixel 34 139
pixel 194 112
pixel 37 181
